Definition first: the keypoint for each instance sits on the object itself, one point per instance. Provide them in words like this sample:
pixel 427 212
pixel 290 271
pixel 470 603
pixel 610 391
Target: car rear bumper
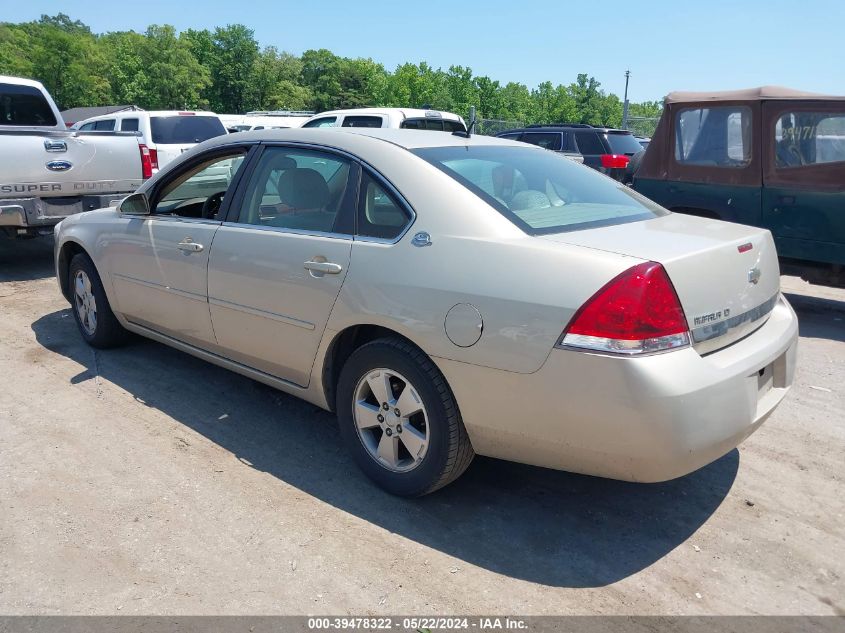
pixel 47 212
pixel 640 419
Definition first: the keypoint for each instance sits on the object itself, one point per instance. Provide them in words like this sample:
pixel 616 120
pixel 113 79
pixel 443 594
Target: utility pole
pixel 625 103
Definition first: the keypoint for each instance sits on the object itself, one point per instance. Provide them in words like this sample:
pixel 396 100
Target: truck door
pixel 804 178
pixel 714 161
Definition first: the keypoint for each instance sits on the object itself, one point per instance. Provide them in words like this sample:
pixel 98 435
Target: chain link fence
pixel 642 125
pixel 491 127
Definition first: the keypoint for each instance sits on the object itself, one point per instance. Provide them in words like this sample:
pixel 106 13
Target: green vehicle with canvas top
pixel 769 157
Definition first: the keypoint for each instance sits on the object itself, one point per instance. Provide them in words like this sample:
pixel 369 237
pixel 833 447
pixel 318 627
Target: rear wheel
pixel 97 323
pixel 399 419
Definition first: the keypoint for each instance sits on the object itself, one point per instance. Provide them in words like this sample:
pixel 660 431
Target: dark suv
pixel 604 149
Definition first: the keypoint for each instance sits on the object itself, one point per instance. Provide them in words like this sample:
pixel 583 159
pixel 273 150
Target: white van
pixel 407 118
pixel 165 133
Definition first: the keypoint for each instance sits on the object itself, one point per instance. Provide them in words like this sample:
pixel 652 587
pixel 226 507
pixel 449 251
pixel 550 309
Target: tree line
pixel 225 70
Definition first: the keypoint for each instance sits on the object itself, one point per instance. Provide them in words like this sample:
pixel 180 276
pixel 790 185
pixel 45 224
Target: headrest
pixel 303 188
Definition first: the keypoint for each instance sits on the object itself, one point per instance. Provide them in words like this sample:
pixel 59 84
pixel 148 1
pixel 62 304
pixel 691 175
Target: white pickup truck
pixel 48 172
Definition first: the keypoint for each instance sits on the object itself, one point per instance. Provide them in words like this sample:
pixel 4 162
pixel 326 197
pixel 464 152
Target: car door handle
pixel 189 246
pixel 328 268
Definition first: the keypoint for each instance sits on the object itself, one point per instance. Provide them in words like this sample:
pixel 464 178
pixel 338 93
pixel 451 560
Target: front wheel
pixel 97 323
pixel 399 419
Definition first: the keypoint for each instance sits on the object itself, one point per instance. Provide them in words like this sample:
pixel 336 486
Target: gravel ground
pixel 144 481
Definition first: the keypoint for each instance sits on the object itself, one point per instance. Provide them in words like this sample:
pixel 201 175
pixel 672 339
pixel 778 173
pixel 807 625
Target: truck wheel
pixel 97 323
pixel 399 419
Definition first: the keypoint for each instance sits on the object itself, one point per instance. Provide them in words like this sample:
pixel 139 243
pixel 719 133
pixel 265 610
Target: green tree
pixel 516 102
pixel 14 42
pixel 125 68
pixel 415 85
pixel 235 54
pixel 275 82
pixel 65 57
pixel 223 68
pixel 176 78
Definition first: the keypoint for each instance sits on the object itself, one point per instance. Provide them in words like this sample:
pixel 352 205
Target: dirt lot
pixel 142 480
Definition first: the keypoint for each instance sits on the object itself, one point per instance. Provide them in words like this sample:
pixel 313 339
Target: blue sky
pixel 667 44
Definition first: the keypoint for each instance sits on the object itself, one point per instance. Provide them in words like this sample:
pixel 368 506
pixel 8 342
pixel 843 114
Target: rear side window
pixel 433 124
pixel 379 214
pixel 589 143
pixel 362 121
pixel 167 130
pixel 24 105
pixel 540 192
pixel 713 137
pixel 809 138
pixel 623 143
pixel 326 121
pixel 129 125
pixel 547 140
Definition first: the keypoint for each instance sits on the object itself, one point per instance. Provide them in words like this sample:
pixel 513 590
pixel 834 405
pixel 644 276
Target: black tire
pixel 107 331
pixel 449 450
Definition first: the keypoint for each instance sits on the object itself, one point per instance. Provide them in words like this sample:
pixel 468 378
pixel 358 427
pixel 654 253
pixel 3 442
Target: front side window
pixel 326 121
pixel 24 105
pixel 299 189
pixel 379 213
pixel 198 192
pixel 182 129
pixel 714 137
pixel 546 140
pixel 87 127
pixel 809 138
pixel 362 121
pixel 540 192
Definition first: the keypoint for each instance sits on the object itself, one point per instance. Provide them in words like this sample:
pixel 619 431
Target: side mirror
pixel 136 204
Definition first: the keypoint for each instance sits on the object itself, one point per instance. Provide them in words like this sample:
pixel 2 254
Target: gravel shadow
pixel 544 526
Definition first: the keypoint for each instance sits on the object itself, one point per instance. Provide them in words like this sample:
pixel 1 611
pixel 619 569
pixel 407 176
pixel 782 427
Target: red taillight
pixel 614 161
pixel 638 311
pixel 149 161
pixel 146 162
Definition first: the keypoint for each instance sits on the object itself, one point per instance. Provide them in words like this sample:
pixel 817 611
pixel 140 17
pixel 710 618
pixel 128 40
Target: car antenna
pixel 471 125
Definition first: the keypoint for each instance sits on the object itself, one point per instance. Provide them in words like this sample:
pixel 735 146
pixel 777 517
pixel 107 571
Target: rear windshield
pixel 623 143
pixel 24 105
pixel 170 130
pixel 443 125
pixel 540 191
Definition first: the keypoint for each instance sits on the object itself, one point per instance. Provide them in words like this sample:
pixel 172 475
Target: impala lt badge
pixel 754 276
pixel 59 165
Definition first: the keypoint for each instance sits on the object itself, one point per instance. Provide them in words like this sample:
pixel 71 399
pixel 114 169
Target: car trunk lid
pixel 726 275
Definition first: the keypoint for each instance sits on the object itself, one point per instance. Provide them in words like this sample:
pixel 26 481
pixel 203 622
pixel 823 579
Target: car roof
pixel 351 139
pixel 559 127
pixel 20 81
pixel 179 112
pixel 749 94
pixel 408 113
